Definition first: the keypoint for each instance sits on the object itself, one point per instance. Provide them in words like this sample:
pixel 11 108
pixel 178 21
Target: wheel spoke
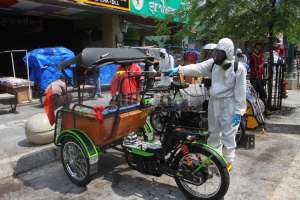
pixel 75 161
pixel 211 184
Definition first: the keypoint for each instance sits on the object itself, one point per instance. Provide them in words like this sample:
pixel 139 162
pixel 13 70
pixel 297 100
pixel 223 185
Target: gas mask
pixel 226 64
pixel 221 59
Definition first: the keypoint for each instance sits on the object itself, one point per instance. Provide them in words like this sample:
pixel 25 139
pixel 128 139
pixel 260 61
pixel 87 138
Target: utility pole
pixel 271 58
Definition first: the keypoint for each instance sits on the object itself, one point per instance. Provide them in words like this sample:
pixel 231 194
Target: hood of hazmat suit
pixel 210 46
pixel 226 45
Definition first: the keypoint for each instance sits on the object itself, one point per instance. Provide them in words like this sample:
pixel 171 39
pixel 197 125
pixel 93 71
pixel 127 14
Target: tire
pixel 241 131
pixel 80 179
pixel 223 175
pixel 157 120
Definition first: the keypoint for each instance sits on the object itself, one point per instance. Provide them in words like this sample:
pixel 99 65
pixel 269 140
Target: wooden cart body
pixel 117 123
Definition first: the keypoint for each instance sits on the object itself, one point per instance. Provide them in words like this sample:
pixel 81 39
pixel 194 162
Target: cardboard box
pixel 23 94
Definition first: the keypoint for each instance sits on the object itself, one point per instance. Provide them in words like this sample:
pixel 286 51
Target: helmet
pixel 164 51
pixel 239 51
pixel 226 44
pixel 210 46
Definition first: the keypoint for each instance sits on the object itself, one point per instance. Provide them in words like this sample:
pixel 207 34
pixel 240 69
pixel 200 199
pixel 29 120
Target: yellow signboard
pixel 114 4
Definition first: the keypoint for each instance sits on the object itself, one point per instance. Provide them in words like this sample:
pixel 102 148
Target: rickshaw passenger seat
pixel 109 111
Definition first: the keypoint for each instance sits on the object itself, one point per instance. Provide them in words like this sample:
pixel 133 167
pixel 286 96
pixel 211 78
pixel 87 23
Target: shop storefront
pixel 77 24
pixel 31 24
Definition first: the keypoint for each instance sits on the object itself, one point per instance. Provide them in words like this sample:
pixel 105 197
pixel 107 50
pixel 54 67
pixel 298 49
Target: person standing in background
pixel 257 70
pixel 165 64
pixel 240 57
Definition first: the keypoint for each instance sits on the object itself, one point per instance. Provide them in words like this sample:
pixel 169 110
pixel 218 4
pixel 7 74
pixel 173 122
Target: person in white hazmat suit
pixel 165 64
pixel 227 101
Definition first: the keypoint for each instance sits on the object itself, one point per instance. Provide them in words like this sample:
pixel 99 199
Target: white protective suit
pixel 164 65
pixel 227 97
pixel 242 58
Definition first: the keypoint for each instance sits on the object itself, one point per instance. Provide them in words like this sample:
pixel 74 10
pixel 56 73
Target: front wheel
pixel 75 162
pixel 158 119
pixel 206 179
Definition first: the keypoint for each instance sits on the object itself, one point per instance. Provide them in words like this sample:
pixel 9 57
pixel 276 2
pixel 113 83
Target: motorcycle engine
pixel 146 165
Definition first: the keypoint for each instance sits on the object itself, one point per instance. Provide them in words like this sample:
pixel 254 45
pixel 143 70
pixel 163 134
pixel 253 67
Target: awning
pixel 66 9
pixel 77 9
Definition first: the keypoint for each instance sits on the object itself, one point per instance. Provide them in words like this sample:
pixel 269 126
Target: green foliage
pixel 241 20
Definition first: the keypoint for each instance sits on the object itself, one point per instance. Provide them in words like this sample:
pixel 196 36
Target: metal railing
pixel 274 86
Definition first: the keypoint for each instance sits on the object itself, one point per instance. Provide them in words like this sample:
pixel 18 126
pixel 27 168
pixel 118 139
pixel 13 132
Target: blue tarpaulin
pixel 43 64
pixel 107 73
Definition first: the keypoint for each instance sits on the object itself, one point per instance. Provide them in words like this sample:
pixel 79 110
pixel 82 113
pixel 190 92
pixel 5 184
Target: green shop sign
pixel 154 8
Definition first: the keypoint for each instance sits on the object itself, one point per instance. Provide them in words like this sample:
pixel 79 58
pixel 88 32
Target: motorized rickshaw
pixel 84 133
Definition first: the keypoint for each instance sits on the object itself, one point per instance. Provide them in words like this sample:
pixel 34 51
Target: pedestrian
pixel 227 101
pixel 166 63
pixel 97 83
pixel 257 71
pixel 207 51
pixel 242 58
pixel 93 76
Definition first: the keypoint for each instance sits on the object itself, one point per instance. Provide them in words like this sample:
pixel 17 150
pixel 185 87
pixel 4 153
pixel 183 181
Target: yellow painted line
pixel 105 5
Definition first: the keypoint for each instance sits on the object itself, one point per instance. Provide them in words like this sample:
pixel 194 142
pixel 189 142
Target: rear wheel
pixel 75 162
pixel 211 181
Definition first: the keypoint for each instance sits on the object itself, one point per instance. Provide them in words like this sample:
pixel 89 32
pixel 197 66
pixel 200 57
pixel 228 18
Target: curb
pixel 283 128
pixel 18 164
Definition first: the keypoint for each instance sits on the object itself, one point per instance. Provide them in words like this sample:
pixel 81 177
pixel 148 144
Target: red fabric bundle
pixel 48 105
pixel 98 110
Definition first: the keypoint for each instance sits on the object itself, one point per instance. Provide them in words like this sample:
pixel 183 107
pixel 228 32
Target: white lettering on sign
pixel 112 2
pixel 160 7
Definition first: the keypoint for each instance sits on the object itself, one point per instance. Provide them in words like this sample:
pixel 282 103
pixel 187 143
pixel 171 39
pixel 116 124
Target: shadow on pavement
pixel 26 143
pixel 35 160
pixel 114 174
pixel 4 111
